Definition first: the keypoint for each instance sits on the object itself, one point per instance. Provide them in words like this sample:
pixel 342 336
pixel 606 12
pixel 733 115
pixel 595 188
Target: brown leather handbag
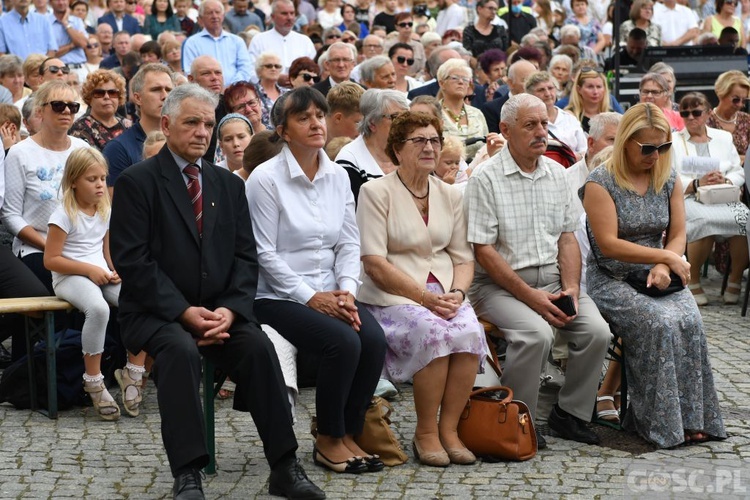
pixel 496 427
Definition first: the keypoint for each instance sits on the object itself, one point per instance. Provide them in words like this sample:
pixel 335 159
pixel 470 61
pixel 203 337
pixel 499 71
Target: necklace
pixel 455 117
pixel 731 121
pixel 412 192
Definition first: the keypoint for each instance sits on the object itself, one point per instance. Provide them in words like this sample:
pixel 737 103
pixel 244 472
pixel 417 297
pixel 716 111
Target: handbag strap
pixel 606 271
pixel 495 388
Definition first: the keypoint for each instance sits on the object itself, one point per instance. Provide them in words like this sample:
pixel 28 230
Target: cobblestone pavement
pixel 80 456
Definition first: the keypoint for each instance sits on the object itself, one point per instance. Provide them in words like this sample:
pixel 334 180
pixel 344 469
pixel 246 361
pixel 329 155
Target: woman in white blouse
pixel 302 211
pixel 565 127
pixel 33 172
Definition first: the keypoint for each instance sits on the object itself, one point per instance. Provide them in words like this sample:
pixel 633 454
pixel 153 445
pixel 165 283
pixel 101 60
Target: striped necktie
pixel 196 194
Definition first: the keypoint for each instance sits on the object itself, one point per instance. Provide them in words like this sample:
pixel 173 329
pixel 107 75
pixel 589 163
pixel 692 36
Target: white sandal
pixel 700 298
pixel 732 298
pixel 609 416
pixel 102 407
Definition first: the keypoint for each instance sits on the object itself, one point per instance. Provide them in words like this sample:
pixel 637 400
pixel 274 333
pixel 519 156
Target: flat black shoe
pixel 187 486
pixel 570 427
pixel 354 465
pixel 373 463
pixel 289 480
pixel 541 443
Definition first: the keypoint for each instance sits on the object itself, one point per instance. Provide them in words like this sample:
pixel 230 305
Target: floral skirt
pixel 416 336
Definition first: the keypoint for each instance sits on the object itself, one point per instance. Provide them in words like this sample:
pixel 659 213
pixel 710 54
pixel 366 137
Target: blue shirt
pixel 24 36
pixel 230 50
pixel 124 151
pixel 77 55
pixel 237 23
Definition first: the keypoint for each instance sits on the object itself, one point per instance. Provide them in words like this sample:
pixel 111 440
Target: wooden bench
pixel 40 322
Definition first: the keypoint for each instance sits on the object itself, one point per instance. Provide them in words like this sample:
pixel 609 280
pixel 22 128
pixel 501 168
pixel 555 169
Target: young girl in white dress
pixel 77 253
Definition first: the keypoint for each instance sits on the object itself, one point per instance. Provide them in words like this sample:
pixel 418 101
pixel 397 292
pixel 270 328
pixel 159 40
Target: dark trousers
pixel 35 262
pixel 17 280
pixel 350 366
pixel 249 358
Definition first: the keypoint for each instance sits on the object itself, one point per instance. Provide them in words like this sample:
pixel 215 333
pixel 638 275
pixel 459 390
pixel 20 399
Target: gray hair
pixel 561 58
pixel 657 79
pixel 277 2
pixel 28 107
pixel 341 45
pixel 599 123
pixel 203 4
pixel 373 105
pixel 173 103
pixel 509 112
pixel 369 67
pixel 570 30
pixel 10 64
pixel 263 57
pixel 451 65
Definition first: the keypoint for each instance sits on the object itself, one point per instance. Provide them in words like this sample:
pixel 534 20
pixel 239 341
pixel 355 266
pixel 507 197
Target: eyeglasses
pixel 459 79
pixel 340 60
pixel 59 106
pixel 391 116
pixel 695 112
pixel 402 60
pixel 405 25
pixel 272 66
pixel 247 104
pixel 308 76
pixel 130 2
pixel 730 2
pixel 736 100
pixel 332 35
pixel 55 69
pixel 655 93
pixel 349 40
pixel 372 46
pixel 649 149
pixel 92 45
pixel 591 69
pixel 436 142
pixel 100 93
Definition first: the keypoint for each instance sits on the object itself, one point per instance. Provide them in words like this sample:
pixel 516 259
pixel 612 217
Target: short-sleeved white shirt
pixel 85 240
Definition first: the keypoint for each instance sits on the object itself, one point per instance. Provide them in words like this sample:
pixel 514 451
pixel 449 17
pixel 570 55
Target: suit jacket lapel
pixel 177 189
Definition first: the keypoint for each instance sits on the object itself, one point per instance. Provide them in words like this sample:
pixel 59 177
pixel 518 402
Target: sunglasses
pixel 737 100
pixel 405 25
pixel 348 40
pixel 59 106
pixel 332 36
pixel 696 113
pixel 272 66
pixel 592 69
pixel 55 69
pixel 100 93
pixel 92 45
pixel 649 149
pixel 307 77
pixel 402 60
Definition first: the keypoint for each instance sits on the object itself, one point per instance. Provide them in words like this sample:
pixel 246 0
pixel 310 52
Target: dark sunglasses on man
pixel 59 106
pixel 55 69
pixel 307 77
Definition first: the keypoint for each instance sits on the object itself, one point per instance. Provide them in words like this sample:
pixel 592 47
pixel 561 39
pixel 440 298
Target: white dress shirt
pixel 674 22
pixel 305 231
pixel 288 48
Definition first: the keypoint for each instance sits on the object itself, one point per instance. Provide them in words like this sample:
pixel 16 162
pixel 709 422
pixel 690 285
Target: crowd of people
pixel 360 183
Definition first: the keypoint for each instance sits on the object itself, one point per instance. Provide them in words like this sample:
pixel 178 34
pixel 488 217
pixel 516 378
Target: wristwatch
pixel 463 294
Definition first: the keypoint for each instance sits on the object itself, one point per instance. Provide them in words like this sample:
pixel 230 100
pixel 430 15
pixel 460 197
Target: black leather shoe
pixel 187 486
pixel 289 480
pixel 541 443
pixel 570 427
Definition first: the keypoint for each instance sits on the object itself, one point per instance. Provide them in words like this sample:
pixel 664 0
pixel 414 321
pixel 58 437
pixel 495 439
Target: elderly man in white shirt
pixel 281 40
pixel 521 223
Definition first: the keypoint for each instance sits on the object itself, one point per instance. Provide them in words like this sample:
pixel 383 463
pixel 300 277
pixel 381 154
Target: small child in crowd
pixel 77 253
pixel 451 158
pixel 10 125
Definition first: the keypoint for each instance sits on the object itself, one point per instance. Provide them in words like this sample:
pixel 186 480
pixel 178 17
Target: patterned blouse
pixel 589 31
pixel 267 103
pixel 653 33
pixel 741 134
pixel 95 132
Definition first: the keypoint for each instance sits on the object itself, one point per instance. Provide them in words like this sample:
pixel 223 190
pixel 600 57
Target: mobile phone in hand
pixel 566 305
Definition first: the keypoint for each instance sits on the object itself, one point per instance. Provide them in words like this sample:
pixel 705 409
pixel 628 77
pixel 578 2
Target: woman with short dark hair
pixel 308 253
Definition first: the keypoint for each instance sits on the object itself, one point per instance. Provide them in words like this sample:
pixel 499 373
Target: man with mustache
pixel 521 222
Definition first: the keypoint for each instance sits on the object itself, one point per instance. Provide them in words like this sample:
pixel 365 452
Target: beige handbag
pixel 718 193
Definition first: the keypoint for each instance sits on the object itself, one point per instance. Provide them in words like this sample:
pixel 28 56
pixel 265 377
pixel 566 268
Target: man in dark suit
pixel 339 63
pixel 119 19
pixel 182 241
pixel 518 72
pixel 121 46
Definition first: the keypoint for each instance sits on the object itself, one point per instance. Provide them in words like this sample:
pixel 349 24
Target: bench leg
pixel 49 324
pixel 29 327
pixel 208 415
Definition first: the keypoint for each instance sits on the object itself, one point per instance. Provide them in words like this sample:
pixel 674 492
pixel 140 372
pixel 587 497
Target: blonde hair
pixel 78 162
pixel 332 148
pixel 576 102
pixel 643 116
pixel 729 79
pixel 452 145
pixel 151 139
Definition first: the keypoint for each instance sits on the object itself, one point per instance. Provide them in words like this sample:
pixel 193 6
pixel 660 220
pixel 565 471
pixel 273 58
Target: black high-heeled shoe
pixel 353 465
